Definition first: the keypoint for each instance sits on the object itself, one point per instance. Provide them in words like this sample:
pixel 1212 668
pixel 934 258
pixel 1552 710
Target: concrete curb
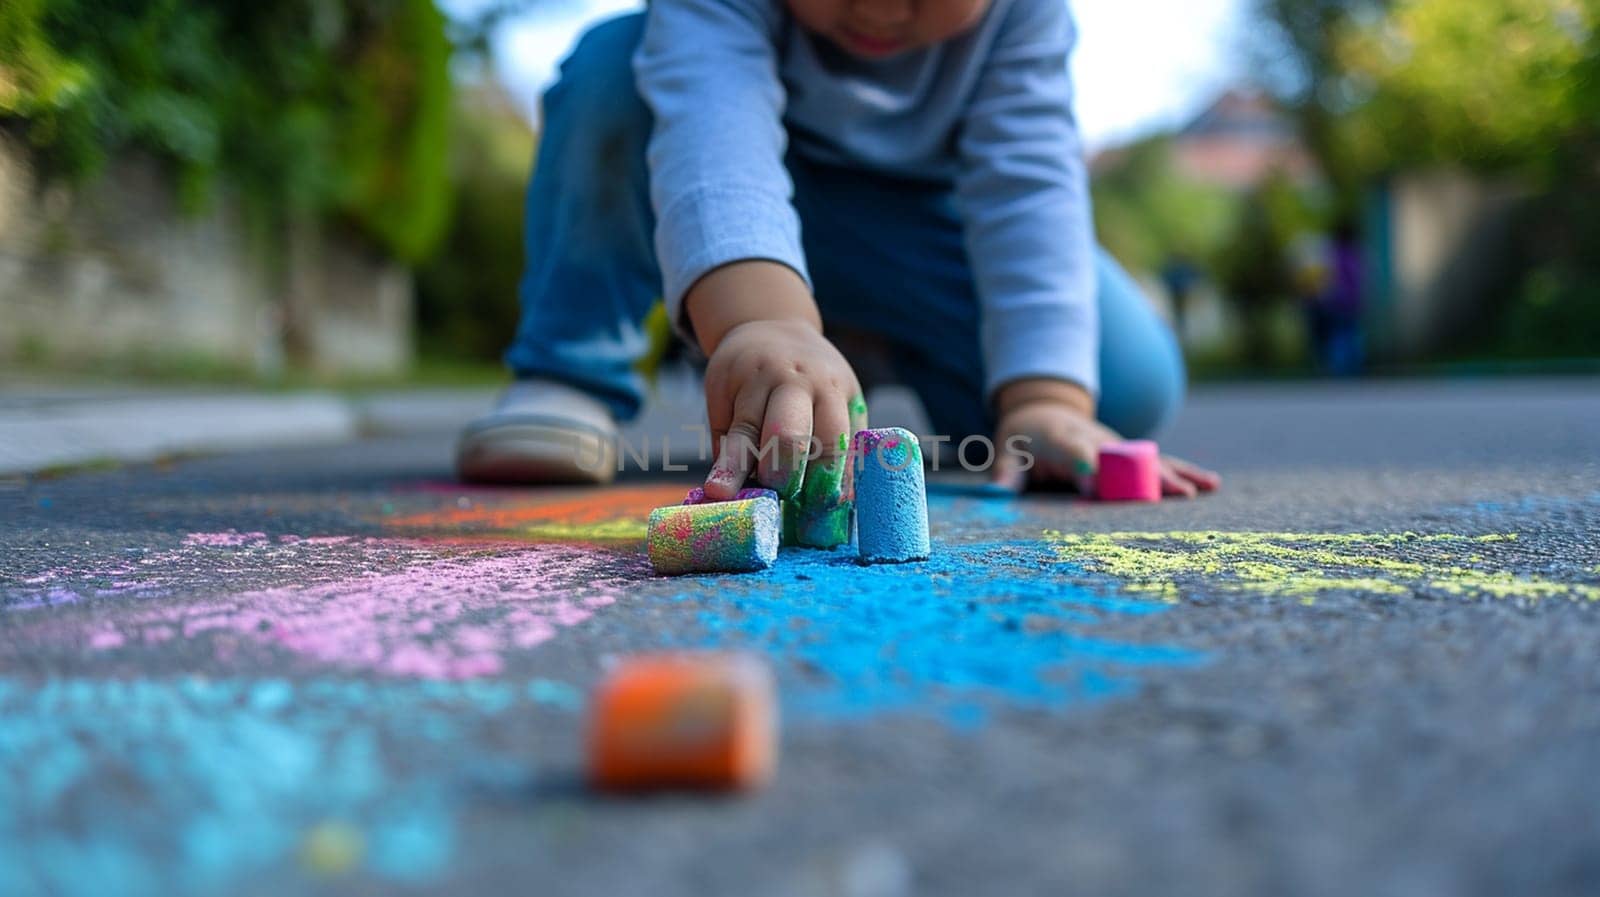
pixel 43 427
pixel 63 432
pixel 420 411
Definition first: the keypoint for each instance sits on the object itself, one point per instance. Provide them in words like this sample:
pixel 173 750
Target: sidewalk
pixel 44 427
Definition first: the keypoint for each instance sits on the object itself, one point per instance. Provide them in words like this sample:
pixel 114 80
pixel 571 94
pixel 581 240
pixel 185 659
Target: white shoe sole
pixel 534 453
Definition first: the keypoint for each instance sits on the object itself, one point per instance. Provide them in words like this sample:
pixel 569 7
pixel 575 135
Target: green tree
pixel 1255 267
pixel 34 79
pixel 1295 45
pixel 1486 84
pixel 467 290
pixel 1502 86
pixel 334 108
pixel 1147 212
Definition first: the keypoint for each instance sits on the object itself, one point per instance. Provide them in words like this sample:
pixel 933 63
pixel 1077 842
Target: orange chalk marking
pixel 567 506
pixel 684 721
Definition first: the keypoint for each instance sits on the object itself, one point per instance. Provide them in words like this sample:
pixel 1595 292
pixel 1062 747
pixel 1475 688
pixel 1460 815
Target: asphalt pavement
pixel 1369 665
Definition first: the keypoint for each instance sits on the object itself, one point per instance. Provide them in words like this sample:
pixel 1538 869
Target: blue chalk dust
pixel 974 628
pixel 972 510
pixel 188 786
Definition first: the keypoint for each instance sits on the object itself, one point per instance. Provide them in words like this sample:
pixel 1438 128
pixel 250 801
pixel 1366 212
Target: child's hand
pixel 771 387
pixel 1058 420
pixel 773 382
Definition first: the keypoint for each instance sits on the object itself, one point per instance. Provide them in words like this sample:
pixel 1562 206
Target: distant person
pixel 1336 308
pixel 1180 276
pixel 907 173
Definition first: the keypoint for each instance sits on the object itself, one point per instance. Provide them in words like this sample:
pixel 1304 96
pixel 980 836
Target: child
pixel 904 176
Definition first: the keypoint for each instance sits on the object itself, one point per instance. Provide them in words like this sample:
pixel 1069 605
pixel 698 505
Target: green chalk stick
pixel 822 514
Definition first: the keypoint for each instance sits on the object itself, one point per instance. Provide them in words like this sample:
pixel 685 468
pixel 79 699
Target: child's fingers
pixel 1083 477
pixel 1078 464
pixel 1204 480
pixel 785 440
pixel 1174 484
pixel 736 445
pixel 832 426
pixel 1064 458
pixel 720 398
pixel 855 421
pixel 827 476
pixel 1007 472
pixel 857 408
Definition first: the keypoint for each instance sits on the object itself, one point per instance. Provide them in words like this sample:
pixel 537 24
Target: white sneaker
pixel 541 431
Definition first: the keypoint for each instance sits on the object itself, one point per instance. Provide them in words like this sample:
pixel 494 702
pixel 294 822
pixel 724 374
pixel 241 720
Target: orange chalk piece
pixel 684 721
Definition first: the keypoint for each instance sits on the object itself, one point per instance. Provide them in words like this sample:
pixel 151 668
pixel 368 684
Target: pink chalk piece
pixel 1129 471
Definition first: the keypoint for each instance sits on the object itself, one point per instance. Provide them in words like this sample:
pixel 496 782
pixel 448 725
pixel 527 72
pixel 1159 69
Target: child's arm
pixel 728 240
pixel 1024 194
pixel 1024 197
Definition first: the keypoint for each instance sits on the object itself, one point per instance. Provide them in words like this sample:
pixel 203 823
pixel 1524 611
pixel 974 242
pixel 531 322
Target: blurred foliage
pixel 1470 82
pixel 1508 86
pixel 1556 312
pixel 1147 213
pixel 1383 84
pixel 1150 215
pixel 1296 49
pixel 1256 267
pixel 34 79
pixel 467 292
pixel 305 107
pixel 1495 86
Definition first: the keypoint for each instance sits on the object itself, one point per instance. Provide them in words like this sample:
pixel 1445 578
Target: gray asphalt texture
pixel 1375 741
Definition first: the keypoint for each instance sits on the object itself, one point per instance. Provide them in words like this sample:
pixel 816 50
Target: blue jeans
pixel 870 241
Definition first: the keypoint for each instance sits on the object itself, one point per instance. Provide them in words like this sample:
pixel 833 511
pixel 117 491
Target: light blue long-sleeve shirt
pixel 989 111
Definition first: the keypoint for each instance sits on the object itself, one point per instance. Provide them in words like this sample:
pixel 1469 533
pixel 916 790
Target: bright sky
pixel 1140 64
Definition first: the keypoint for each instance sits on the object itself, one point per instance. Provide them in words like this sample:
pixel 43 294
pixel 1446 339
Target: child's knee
pixel 596 129
pixel 607 46
pixel 1141 407
pixel 1142 375
pixel 597 78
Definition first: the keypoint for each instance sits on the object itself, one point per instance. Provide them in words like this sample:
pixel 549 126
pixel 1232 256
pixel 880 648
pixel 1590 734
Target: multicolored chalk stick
pixel 891 499
pixel 697 495
pixel 1129 471
pixel 786 536
pixel 716 537
pixel 684 721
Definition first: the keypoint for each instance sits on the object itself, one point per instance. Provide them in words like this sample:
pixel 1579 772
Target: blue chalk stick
pixel 891 499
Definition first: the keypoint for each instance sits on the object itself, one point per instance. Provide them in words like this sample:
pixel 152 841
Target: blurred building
pixel 1234 143
pixel 1240 139
pixel 1442 249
